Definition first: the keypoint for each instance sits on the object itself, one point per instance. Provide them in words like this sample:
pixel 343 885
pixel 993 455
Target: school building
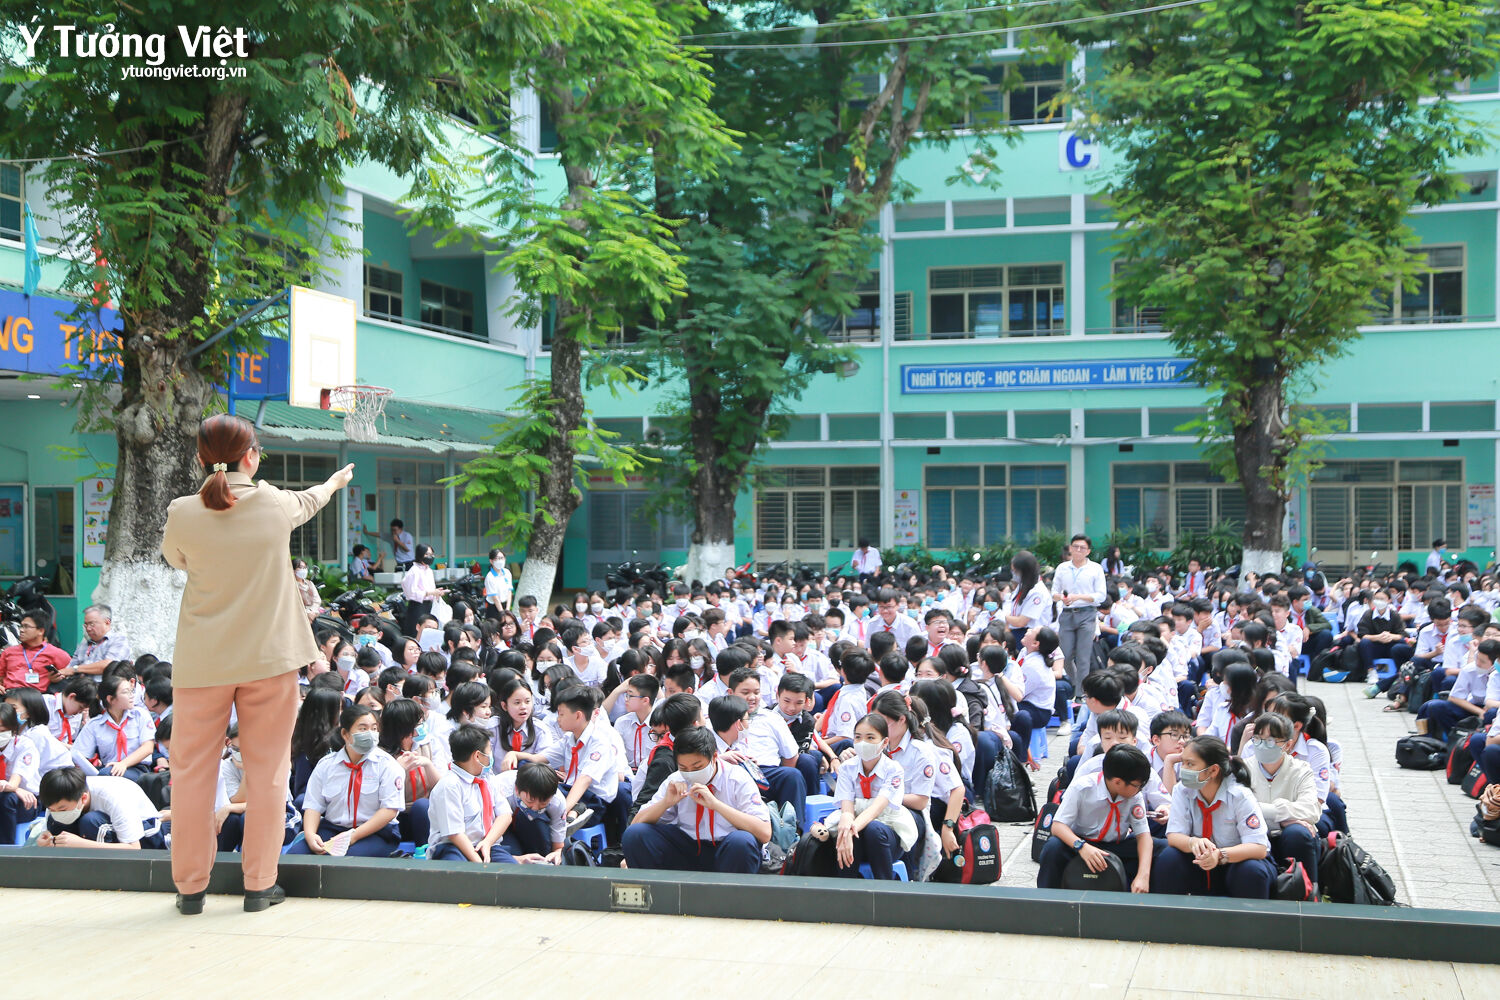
pixel 998 388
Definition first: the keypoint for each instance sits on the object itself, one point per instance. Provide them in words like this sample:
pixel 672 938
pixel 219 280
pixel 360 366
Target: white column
pixel 1077 499
pixel 342 499
pixel 887 333
pixel 449 495
pixel 499 291
pixel 1076 283
pixel 345 275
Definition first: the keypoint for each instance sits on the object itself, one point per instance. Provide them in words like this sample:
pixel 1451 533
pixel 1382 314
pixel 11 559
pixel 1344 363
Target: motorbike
pixel 25 595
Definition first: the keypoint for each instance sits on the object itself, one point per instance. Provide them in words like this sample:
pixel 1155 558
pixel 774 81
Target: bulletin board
pixel 13 518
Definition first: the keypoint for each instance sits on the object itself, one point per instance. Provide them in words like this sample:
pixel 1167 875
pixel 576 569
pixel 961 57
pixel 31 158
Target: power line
pixel 960 34
pixel 875 20
pixel 108 152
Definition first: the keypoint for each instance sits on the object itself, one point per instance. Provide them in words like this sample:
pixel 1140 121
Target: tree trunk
pixel 712 552
pixel 1259 447
pixel 156 433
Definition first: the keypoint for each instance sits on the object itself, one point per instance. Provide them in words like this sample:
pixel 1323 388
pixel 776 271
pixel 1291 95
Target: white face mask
pixel 689 635
pixel 580 608
pixel 302 573
pixel 869 751
pixel 596 607
pixel 1151 586
pixel 67 817
pixel 699 777
pixel 346 663
pixel 1380 604
pixel 5 739
pixel 696 662
pixel 682 602
pixel 237 757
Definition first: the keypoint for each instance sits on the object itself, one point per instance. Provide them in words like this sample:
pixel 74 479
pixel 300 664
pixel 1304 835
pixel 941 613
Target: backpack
pixel 1326 660
pixel 783 827
pixel 1489 829
pixel 773 857
pixel 1459 761
pixel 1474 781
pixel 1421 753
pixel 1009 797
pixel 1293 885
pixel 977 860
pixel 1350 875
pixel 1077 875
pixel 577 853
pixel 812 857
pixel 1041 830
pixel 975 699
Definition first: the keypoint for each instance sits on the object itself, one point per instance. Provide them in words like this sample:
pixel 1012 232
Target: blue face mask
pixel 420 735
pixel 991 606
pixel 363 640
pixel 530 813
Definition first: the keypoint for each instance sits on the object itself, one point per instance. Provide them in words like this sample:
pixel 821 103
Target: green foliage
pixel 1268 155
pixel 1217 548
pixel 1050 547
pixel 1134 549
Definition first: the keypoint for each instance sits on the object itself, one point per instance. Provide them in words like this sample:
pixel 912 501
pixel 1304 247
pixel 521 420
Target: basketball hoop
pixel 361 405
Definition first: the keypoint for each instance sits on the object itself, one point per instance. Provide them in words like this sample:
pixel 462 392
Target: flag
pixel 33 257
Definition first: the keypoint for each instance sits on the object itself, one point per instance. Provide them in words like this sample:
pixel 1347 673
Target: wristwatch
pixel 1078 844
pixel 951 824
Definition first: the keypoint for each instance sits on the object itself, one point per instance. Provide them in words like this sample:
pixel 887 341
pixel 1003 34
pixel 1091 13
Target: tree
pixel 1270 154
pixel 621 87
pixel 198 190
pixel 777 243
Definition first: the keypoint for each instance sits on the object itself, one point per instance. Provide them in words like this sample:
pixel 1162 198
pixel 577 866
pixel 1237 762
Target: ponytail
pixel 223 442
pixel 1212 751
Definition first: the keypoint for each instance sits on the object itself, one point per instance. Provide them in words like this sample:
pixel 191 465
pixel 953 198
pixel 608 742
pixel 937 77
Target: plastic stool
pixel 818 806
pixel 407 847
pixel 594 837
pixel 899 867
pixel 1039 744
pixel 24 830
pixel 1304 665
pixel 1054 722
pixel 1385 669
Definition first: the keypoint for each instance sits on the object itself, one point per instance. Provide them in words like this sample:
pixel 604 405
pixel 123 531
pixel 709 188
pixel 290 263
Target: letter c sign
pixel 1074 152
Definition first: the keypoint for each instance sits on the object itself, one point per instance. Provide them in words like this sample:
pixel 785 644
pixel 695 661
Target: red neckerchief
pixel 356 785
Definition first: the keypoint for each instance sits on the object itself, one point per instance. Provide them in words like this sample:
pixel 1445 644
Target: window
pixel 1023 300
pixel 409 490
pixel 620 529
pixel 471 525
pixel 804 512
pixel 383 293
pixel 969 505
pixel 11 197
pixel 1438 296
pixel 446 308
pixel 1159 500
pixel 1132 318
pixel 318 539
pixel 862 326
pixel 1029 102
pixel 1363 507
pixel 52 519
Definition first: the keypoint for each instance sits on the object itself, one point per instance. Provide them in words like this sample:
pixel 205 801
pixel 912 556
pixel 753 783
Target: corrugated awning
pixel 404 425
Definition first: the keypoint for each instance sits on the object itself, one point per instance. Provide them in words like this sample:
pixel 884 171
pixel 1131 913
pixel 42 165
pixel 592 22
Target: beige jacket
pixel 242 619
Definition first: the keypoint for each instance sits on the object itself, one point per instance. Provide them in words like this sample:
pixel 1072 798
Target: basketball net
pixel 362 404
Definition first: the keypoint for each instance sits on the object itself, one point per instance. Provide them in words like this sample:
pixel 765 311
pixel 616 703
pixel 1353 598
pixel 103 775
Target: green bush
pixel 1217 548
pixel 1049 546
pixel 1133 548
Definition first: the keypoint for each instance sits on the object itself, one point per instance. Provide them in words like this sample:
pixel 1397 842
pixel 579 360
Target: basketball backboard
pixel 322 335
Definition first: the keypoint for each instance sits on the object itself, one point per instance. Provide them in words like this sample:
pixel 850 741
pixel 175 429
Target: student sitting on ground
pixel 1216 835
pixel 1103 813
pixel 98 811
pixel 592 775
pixel 1287 793
pixel 708 816
pixel 871 827
pixel 20 772
pixel 121 736
pixel 462 807
pixel 357 791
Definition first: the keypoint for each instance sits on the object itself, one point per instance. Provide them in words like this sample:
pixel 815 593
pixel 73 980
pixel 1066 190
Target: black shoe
pixel 191 903
pixel 263 899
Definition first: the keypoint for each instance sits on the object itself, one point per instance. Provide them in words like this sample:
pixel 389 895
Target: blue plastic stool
pixel 1039 744
pixel 818 806
pixel 1054 722
pixel 407 847
pixel 899 867
pixel 1385 669
pixel 594 837
pixel 1304 664
pixel 24 830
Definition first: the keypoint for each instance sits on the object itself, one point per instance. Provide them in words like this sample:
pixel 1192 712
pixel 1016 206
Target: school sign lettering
pixel 1141 373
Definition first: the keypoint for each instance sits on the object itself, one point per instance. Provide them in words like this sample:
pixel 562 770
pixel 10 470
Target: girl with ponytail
pixel 1216 836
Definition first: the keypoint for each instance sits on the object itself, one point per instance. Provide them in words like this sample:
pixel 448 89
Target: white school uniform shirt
pixel 731 785
pixel 1149 702
pixel 1035 606
pixel 1317 757
pixel 1040 684
pixel 593 672
pixel 959 736
pixel 1237 816
pixel 1223 721
pixel 1456 652
pixel 22 762
pixel 498 584
pixel 1470 686
pixel 917 765
pixel 357 682
pixel 1154 793
pixel 1182 649
pixel 1289 639
pixel 1213 700
pixel 132 815
pixel 65 727
pixel 52 753
pixel 98 737
pixel 555 813
pixel 595 757
pixel 887 778
pixel 903 628
pixel 818 666
pixel 1090 811
pixel 541 740
pixel 382 785
pixel 637 738
pixel 1431 640
pixel 995 719
pixel 845 708
pixel 456 806
pixel 712 688
pixel 768 739
pixel 1089 741
pixel 946 776
pixel 1492 686
pixel 228 785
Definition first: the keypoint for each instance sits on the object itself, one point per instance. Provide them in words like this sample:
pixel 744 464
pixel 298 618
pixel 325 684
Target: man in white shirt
pixel 1079 585
pixel 865 562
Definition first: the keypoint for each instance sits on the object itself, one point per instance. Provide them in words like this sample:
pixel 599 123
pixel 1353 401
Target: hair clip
pixel 221 467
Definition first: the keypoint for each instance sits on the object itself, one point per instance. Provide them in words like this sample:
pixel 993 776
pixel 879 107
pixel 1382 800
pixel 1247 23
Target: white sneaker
pixel 1066 729
pixel 579 820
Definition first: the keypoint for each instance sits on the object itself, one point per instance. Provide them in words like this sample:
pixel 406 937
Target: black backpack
pixel 1474 781
pixel 1041 830
pixel 1293 885
pixel 1009 797
pixel 813 857
pixel 1459 759
pixel 1112 879
pixel 1349 875
pixel 1421 753
pixel 977 860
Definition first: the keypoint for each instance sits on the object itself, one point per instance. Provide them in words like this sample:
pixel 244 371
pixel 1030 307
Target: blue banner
pixel 1030 376
pixel 52 337
pixel 265 375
